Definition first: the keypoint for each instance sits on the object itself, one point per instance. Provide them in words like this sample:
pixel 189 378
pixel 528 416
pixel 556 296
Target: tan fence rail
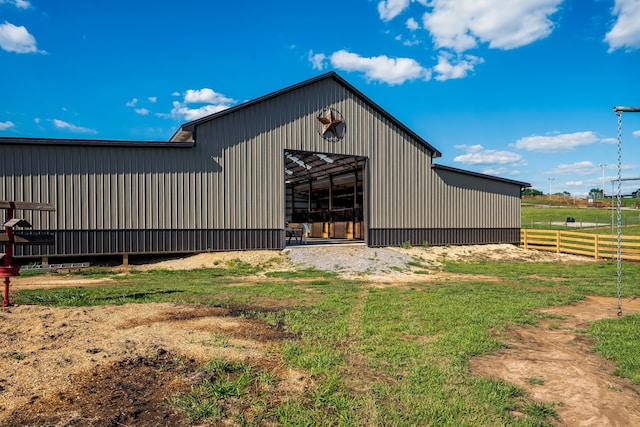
pixel 572 242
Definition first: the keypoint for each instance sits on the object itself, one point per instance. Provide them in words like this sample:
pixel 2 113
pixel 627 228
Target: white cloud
pixel 37 120
pixel 20 4
pixel 469 148
pixel 636 133
pixel 495 171
pixel 478 155
pixel 389 9
pixel 412 24
pixel 556 143
pixel 142 111
pixel 73 128
pixel 450 68
pixel 181 111
pixel 577 168
pixel 460 24
pixel 413 42
pixel 626 30
pixel 215 102
pixel 381 68
pixel 17 39
pixel 6 125
pixel 207 96
pixel 317 60
pixel 501 171
pixel 609 140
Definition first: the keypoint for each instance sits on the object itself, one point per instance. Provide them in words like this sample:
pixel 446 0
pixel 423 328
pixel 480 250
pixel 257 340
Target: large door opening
pixel 324 197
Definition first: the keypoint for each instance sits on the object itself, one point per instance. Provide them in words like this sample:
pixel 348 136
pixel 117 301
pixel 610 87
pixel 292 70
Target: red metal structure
pixel 10 238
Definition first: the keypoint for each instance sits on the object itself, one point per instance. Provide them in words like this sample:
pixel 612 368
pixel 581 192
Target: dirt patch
pixel 270 259
pixel 555 363
pixel 119 365
pixel 494 252
pixel 129 392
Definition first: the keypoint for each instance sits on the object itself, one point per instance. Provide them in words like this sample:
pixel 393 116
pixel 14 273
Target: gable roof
pixel 185 132
pixel 522 184
pixel 94 142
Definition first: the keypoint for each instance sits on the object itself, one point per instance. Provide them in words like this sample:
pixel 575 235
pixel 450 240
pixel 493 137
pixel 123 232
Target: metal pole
pixel 8 249
pixel 621 109
pixel 603 165
pixel 619 213
pixel 612 223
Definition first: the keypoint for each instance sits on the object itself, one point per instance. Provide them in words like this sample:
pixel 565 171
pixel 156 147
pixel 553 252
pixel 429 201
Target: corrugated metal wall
pixel 464 201
pixel 118 199
pixel 107 187
pixel 227 192
pixel 404 192
pixel 252 160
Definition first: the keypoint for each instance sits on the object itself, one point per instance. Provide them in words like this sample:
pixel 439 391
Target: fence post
pixel 596 243
pixel 558 241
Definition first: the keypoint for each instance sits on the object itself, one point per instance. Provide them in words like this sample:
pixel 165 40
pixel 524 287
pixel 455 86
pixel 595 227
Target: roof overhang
pixel 481 175
pixel 191 126
pixel 95 142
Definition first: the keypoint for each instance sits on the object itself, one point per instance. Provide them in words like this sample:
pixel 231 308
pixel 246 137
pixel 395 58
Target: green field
pixel 412 343
pixel 553 218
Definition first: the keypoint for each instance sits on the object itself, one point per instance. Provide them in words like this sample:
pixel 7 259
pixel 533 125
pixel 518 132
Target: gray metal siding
pixel 404 191
pixel 249 146
pixel 114 242
pixel 228 190
pixel 108 187
pixel 443 236
pixel 463 201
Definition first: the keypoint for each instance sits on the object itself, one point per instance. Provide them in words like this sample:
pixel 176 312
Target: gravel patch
pixel 359 260
pixel 350 260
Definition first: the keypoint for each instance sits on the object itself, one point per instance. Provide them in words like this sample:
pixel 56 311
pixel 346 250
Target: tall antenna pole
pixel 619 110
pixel 603 165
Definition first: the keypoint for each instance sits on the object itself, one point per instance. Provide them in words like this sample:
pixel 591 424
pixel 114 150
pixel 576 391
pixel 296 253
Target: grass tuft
pixel 375 355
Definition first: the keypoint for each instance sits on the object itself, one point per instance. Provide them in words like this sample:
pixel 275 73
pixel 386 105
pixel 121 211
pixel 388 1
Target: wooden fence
pixel 573 242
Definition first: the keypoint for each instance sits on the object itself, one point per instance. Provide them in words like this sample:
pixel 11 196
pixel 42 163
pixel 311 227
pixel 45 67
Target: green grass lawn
pixel 412 343
pixel 543 218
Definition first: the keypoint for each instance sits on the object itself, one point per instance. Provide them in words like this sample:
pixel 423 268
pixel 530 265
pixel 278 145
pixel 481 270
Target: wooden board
pixel 31 206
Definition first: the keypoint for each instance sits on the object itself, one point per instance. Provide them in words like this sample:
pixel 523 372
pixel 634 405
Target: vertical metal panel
pixel 104 187
pixel 113 242
pixel 442 236
pixel 233 179
pixel 400 166
pixel 465 201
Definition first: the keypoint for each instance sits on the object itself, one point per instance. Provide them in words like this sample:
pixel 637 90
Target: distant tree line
pixel 594 193
pixel 536 192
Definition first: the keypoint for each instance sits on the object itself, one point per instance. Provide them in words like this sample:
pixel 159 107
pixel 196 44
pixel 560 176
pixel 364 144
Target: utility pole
pixel 550 181
pixel 603 165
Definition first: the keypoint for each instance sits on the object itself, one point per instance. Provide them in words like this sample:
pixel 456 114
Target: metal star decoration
pixel 330 123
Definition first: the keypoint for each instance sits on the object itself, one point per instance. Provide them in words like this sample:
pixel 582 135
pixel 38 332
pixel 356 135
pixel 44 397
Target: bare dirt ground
pixel 119 365
pixel 579 381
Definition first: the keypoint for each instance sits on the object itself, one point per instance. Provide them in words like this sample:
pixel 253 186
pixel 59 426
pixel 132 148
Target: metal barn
pixel 318 155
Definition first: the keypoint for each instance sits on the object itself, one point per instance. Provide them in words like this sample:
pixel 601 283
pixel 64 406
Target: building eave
pixel 190 126
pixel 94 142
pixel 522 184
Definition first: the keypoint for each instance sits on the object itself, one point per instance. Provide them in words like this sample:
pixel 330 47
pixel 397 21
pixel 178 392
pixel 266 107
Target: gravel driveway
pixel 349 259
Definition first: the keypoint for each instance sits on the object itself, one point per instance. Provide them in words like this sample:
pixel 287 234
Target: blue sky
pixel 521 89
